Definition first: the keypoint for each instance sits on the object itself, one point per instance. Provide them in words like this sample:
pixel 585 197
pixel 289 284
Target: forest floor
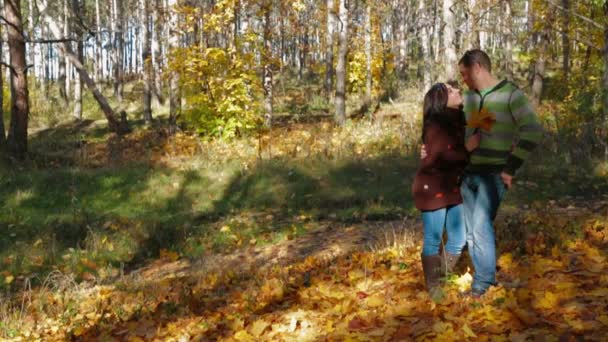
pixel 303 233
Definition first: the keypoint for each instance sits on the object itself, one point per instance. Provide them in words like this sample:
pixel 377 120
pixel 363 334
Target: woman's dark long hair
pixel 435 110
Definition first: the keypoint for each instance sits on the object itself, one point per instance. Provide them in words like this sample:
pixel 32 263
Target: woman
pixel 436 188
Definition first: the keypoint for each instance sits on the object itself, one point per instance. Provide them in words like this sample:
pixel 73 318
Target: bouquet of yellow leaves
pixel 482 119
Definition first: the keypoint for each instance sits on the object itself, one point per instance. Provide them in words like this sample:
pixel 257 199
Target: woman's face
pixel 454 97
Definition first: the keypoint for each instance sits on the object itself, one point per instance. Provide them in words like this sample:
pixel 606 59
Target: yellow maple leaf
pixel 467 331
pixel 482 119
pixel 375 301
pixel 243 335
pixel 548 301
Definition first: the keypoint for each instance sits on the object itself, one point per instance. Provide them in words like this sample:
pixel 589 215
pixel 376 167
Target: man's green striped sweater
pixel 515 118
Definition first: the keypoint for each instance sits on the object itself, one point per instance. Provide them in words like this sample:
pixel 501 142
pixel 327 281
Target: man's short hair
pixel 476 56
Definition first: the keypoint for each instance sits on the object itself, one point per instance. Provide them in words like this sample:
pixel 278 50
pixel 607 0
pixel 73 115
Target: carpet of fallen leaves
pixel 547 293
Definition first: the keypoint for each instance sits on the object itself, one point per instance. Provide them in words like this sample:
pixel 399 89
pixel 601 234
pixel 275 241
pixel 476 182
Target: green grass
pixel 59 216
pixel 96 220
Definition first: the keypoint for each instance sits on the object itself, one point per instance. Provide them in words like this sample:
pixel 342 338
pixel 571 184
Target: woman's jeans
pixel 482 194
pixel 452 218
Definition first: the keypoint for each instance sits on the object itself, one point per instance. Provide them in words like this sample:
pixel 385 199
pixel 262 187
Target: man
pixel 493 165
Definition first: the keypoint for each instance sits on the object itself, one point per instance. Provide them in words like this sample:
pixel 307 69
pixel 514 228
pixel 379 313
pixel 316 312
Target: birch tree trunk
pixel 449 46
pixel 147 62
pixel 566 40
pixel 77 9
pixel 98 37
pixel 329 53
pixel 340 115
pixel 62 61
pixel 158 53
pixel 66 50
pixel 267 66
pixel 539 69
pixel 2 128
pixel 17 134
pixel 424 45
pixel 403 39
pixel 605 84
pixel 473 39
pixel 30 30
pixel 368 53
pixel 117 48
pixel 508 30
pixel 173 40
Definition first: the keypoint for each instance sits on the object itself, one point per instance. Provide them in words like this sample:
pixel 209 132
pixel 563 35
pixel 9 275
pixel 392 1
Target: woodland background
pixel 241 170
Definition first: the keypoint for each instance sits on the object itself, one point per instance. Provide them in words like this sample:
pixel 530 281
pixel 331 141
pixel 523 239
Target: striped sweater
pixel 515 118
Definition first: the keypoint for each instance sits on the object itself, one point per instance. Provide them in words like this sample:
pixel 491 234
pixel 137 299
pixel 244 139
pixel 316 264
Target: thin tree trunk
pixel 424 45
pixel 2 128
pixel 566 40
pixel 436 29
pixel 329 53
pixel 158 53
pixel 62 61
pixel 118 48
pixel 173 40
pixel 17 134
pixel 605 84
pixel 66 32
pixel 77 9
pixel 474 39
pixel 508 29
pixel 98 37
pixel 66 50
pixel 43 80
pixel 267 57
pixel 368 53
pixel 403 35
pixel 30 29
pixel 147 62
pixel 449 46
pixel 539 68
pixel 340 116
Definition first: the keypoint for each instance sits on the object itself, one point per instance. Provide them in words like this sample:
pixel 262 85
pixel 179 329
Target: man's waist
pixel 484 168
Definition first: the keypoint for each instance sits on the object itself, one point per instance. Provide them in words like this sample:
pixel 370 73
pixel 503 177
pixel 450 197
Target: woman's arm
pixel 440 148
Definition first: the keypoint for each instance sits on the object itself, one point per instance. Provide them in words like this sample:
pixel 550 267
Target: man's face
pixel 468 76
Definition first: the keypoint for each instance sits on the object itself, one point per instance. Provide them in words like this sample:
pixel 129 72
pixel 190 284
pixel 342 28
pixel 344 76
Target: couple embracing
pixel 472 146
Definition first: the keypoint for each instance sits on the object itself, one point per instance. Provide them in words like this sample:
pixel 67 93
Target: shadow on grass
pixel 67 218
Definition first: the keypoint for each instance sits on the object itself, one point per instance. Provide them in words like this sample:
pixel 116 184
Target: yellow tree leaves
pixel 482 119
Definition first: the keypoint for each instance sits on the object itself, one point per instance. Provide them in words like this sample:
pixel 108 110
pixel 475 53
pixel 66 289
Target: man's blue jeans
pixel 434 221
pixel 482 194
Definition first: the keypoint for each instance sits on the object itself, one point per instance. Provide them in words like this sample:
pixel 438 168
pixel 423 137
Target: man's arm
pixel 530 134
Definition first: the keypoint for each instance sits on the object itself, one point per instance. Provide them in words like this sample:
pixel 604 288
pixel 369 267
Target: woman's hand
pixel 473 142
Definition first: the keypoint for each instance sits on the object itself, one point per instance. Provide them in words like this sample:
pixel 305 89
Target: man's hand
pixel 507 179
pixel 423 153
pixel 473 142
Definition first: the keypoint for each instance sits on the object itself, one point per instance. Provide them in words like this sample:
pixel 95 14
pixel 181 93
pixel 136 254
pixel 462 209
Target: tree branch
pixel 580 16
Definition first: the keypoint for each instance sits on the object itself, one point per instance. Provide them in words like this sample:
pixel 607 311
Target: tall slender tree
pixel 77 10
pixel 368 52
pixel 2 129
pixel 267 62
pixel 340 115
pixel 117 47
pixel 449 47
pixel 145 56
pixel 20 103
pixel 173 42
pixel 425 54
pixel 329 43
